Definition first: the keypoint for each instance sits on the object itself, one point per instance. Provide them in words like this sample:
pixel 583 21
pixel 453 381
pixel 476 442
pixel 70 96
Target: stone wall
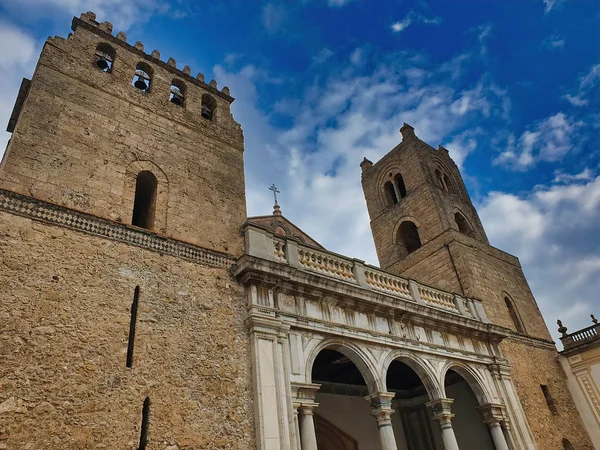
pixel 83 135
pixel 65 312
pixel 533 367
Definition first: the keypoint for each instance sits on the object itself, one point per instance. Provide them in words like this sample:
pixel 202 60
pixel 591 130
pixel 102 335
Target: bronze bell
pixel 176 100
pixel 102 63
pixel 140 83
pixel 206 112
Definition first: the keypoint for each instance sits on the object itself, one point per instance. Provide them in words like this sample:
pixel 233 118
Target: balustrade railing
pixel 263 245
pixel 581 336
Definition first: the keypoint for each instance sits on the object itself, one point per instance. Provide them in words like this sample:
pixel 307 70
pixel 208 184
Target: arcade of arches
pixel 411 415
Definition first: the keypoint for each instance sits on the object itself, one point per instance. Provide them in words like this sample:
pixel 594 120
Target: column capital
pixel 493 413
pixel 304 397
pixel 381 407
pixel 442 411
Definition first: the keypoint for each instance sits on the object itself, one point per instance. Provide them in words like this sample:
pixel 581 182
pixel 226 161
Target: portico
pixel 347 356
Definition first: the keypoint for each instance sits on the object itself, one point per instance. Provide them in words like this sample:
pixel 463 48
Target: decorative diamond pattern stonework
pixel 59 215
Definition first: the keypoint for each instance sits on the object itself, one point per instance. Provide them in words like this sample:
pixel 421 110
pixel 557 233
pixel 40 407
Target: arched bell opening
pixel 142 79
pixel 468 421
pixel 342 419
pixel 411 421
pixel 104 57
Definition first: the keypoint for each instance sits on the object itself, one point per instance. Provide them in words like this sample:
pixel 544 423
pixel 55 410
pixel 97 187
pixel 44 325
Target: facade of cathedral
pixel 141 308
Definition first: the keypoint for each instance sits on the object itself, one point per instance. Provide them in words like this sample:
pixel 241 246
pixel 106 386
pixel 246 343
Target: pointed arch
pixel 513 312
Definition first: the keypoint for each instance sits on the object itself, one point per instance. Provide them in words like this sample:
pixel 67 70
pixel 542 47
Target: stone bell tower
pixel 426 228
pixel 121 201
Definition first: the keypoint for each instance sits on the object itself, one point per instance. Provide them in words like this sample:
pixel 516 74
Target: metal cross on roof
pixel 275 192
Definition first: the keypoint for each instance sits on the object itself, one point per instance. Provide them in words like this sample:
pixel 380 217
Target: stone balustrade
pixel 580 337
pixel 261 244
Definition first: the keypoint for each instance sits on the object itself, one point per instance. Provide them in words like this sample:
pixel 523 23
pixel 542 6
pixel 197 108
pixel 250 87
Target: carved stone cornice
pixel 62 216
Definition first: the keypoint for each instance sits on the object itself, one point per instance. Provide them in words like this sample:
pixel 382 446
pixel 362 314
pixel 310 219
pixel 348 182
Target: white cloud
pixel 122 13
pixel 549 5
pixel 17 60
pixel 273 17
pixel 585 84
pixel 548 140
pixel 411 18
pixel 554 42
pixel 554 231
pixel 561 177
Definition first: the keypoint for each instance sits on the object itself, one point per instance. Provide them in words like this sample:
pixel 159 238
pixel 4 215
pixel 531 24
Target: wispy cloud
pixel 413 17
pixel 578 96
pixel 548 140
pixel 549 5
pixel 554 42
pixel 554 232
pixel 273 17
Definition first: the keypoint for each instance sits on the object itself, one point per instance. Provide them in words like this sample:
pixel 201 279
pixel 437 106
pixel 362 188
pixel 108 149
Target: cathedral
pixel 141 309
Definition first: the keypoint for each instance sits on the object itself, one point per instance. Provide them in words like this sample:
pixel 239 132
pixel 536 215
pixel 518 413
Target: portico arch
pixel 419 366
pixel 472 378
pixel 359 357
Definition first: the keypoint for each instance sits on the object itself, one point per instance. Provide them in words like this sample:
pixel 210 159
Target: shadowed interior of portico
pixel 345 420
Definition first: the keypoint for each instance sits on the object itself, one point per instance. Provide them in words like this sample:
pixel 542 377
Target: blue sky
pixel 510 87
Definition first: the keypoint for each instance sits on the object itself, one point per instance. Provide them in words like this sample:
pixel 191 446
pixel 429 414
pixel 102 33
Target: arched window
pixel 390 193
pixel 443 180
pixel 408 236
pixel 104 57
pixel 145 200
pixel 514 315
pixel 463 225
pixel 177 92
pixel 399 182
pixel 142 79
pixel 209 105
pixel 567 444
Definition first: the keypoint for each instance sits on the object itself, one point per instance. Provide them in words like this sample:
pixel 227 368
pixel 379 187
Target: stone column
pixel 381 409
pixel 304 401
pixel 308 434
pixel 494 417
pixel 442 413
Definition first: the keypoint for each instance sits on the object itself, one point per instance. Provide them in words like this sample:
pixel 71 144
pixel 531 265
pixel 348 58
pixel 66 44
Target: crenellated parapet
pixel 88 21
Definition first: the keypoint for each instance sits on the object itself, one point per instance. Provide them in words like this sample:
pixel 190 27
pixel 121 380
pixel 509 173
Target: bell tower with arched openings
pixel 414 194
pixel 426 228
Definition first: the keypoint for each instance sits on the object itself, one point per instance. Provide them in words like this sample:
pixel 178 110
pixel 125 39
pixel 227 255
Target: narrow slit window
pixel 549 399
pixel 104 57
pixel 567 444
pixel 145 200
pixel 145 423
pixel 132 322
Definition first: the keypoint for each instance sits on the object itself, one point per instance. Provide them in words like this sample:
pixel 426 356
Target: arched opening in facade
pixel 104 57
pixel 209 105
pixel 390 193
pixel 412 422
pixel 399 183
pixel 463 225
pixel 145 200
pixel 514 315
pixel 468 422
pixel 177 96
pixel 408 237
pixel 567 444
pixel 142 78
pixel 342 419
pixel 443 180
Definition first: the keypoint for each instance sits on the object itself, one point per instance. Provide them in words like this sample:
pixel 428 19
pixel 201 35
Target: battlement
pixel 88 21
